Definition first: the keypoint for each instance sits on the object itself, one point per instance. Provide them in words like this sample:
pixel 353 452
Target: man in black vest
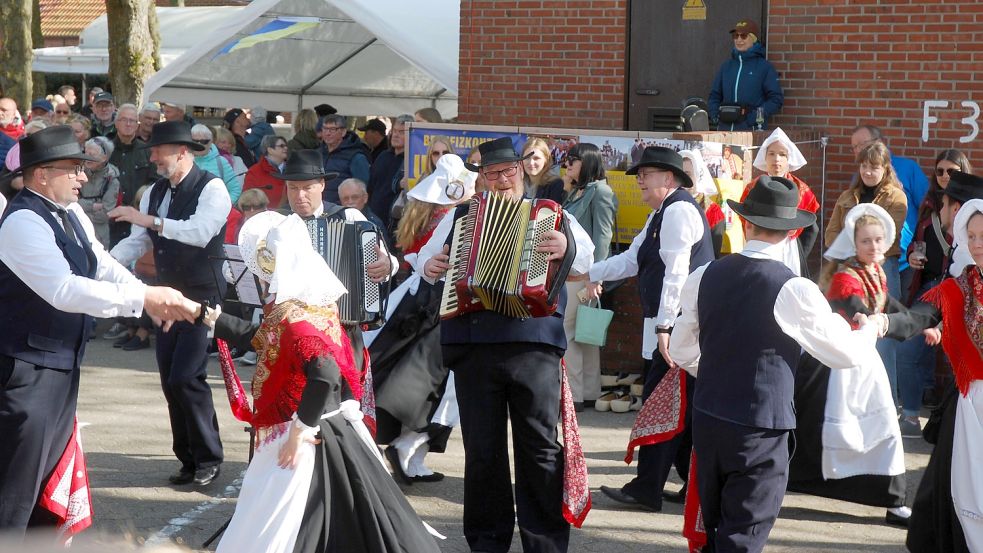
pixel 182 218
pixel 745 320
pixel 509 369
pixel 54 277
pixel 674 242
pixel 304 174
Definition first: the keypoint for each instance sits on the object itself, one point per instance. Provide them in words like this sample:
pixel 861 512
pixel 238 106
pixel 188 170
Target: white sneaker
pixel 115 332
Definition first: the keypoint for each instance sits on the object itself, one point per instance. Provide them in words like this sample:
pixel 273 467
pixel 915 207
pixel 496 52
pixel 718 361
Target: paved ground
pixel 127 445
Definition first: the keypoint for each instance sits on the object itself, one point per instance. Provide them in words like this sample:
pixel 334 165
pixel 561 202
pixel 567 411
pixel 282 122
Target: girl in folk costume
pixel 848 443
pixel 948 508
pixel 416 406
pixel 778 156
pixel 316 482
pixel 704 190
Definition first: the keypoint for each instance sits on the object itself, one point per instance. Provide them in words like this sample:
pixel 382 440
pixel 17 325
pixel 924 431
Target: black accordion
pixel 347 247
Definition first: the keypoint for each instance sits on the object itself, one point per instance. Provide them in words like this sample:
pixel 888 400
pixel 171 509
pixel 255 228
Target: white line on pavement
pixel 175 525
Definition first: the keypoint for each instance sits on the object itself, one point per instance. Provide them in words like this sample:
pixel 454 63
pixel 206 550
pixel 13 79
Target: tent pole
pixel 300 102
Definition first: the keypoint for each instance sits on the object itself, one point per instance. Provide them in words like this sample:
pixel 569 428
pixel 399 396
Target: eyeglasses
pixel 438 153
pixel 282 145
pixel 62 112
pixel 126 120
pixel 742 36
pixel 650 172
pixel 332 129
pixel 570 160
pixel 494 175
pixel 72 171
pixel 203 141
pixel 940 171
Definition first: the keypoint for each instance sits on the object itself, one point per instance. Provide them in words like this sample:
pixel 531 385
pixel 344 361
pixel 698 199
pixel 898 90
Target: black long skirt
pixel 354 506
pixel 806 469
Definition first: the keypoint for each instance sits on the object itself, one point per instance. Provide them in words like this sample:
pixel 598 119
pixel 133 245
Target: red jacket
pixel 261 176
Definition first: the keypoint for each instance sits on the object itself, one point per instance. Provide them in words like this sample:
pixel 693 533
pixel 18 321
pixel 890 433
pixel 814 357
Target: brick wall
pixel 846 62
pixel 549 62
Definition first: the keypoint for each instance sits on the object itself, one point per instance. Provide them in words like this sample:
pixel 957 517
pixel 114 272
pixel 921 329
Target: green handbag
pixel 592 324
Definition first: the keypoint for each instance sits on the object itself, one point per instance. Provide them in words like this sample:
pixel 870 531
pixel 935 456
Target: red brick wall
pixel 547 62
pixel 846 62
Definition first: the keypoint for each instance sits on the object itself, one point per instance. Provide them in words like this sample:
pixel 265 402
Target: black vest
pixel 489 327
pixel 747 364
pixel 651 267
pixel 31 329
pixel 195 271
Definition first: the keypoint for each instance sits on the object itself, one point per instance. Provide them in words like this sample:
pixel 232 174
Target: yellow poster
pixel 694 10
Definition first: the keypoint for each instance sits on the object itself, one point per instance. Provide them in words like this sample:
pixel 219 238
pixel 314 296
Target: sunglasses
pixel 62 112
pixel 941 172
pixel 203 141
pixel 742 36
pixel 570 160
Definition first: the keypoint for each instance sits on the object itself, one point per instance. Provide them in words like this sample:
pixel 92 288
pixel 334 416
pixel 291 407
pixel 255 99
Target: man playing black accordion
pixel 507 366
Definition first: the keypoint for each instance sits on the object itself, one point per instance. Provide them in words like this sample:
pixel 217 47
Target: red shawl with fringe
pixel 961 302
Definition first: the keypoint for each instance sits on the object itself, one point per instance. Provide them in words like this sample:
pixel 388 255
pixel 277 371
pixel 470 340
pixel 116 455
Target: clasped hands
pixel 165 305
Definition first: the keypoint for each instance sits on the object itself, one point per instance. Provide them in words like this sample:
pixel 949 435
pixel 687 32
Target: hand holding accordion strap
pixel 567 262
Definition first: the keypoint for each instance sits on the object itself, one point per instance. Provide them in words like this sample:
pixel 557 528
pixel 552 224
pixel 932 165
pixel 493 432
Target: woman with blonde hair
pixel 439 146
pixel 541 180
pixel 305 138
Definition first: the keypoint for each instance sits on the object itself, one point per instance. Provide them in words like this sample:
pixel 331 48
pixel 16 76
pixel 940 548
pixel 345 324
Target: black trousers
pixel 654 461
pixel 741 473
pixel 37 415
pixel 496 383
pixel 182 359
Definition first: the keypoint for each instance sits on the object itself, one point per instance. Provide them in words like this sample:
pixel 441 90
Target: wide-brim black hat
pixel 173 132
pixel 51 144
pixel 495 151
pixel 773 204
pixel 304 165
pixel 964 187
pixel 662 158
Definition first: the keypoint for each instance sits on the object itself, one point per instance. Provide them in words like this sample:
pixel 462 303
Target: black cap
pixel 324 109
pixel 964 187
pixel 773 204
pixel 232 115
pixel 102 97
pixel 374 125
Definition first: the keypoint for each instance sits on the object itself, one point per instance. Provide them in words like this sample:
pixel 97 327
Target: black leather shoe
pixel 896 520
pixel 393 457
pixel 136 343
pixel 620 496
pixel 122 341
pixel 183 476
pixel 204 477
pixel 675 497
pixel 435 477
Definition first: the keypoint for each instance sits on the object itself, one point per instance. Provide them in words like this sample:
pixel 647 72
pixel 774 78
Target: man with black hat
pixel 54 277
pixel 674 242
pixel 374 135
pixel 745 320
pixel 182 218
pixel 508 369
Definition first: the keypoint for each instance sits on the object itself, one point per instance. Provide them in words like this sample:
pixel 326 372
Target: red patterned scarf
pixel 576 491
pixel 66 495
pixel 661 417
pixel 961 302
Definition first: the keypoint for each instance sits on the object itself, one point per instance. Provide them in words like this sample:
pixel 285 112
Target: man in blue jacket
pixel 344 154
pixel 744 83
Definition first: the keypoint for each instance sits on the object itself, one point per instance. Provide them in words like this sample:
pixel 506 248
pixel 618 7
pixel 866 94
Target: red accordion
pixel 494 262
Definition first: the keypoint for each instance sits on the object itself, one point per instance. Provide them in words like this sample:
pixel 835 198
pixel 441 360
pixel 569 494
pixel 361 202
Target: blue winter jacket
pixel 750 80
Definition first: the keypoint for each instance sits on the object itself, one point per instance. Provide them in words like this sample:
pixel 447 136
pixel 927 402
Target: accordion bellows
pixel 347 247
pixel 494 262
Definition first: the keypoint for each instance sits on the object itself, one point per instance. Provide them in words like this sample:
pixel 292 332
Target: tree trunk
pixel 37 40
pixel 15 52
pixel 131 48
pixel 155 36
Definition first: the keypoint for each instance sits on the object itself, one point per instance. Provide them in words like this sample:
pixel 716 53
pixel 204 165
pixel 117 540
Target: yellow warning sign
pixel 694 10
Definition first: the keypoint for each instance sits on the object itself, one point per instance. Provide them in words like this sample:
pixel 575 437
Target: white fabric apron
pixel 967 454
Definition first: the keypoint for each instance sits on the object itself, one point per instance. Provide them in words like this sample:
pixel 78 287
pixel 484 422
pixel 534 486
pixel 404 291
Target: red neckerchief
pixel 961 302
pixel 873 280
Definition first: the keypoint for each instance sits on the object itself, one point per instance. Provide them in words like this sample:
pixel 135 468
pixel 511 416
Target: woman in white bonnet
pixel 778 156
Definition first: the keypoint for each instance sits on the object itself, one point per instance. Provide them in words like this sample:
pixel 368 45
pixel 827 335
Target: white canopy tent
pixel 361 56
pixel 180 29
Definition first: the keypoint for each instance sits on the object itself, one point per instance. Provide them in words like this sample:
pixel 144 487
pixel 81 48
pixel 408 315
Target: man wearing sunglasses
pixel 745 83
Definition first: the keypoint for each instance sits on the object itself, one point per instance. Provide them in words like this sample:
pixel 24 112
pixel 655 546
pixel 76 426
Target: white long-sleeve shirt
pixel 210 214
pixel 581 263
pixel 682 227
pixel 801 311
pixel 28 248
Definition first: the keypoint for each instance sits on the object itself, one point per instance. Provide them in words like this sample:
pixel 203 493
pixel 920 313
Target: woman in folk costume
pixel 704 190
pixel 848 443
pixel 778 156
pixel 948 508
pixel 416 406
pixel 316 482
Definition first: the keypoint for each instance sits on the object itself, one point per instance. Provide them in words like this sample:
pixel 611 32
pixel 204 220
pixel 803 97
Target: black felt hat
pixel 495 151
pixel 773 204
pixel 173 132
pixel 964 187
pixel 304 165
pixel 662 158
pixel 51 144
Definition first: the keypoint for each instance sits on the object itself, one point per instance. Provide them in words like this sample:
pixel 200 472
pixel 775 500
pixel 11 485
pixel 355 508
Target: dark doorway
pixel 675 49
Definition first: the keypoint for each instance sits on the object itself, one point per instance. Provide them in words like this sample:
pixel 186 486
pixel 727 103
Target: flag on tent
pixel 280 27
